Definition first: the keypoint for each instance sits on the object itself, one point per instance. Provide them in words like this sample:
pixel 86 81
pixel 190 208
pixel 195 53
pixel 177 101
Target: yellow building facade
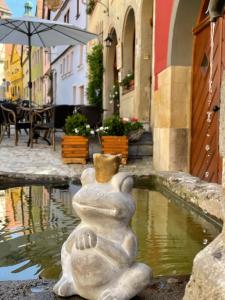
pixel 14 72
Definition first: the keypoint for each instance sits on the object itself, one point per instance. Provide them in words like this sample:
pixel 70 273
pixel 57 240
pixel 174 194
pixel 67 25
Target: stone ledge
pixel 163 288
pixel 208 197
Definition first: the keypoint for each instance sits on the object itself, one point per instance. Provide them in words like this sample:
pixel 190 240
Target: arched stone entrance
pixel 128 70
pixel 129 43
pixel 172 98
pixel 190 52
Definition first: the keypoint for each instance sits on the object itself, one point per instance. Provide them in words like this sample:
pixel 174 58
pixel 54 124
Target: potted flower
pixel 75 144
pixel 113 138
pixel 133 129
pixel 128 82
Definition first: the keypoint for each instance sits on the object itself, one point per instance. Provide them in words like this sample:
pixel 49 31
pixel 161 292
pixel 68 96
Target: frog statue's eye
pixel 123 182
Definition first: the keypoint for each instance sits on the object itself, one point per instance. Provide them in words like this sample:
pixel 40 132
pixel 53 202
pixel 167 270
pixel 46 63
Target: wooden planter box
pixel 75 149
pixel 115 145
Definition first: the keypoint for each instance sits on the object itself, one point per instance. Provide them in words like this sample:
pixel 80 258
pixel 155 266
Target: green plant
pixel 132 125
pixel 112 126
pixel 90 6
pixel 114 94
pixel 95 78
pixel 77 125
pixel 127 80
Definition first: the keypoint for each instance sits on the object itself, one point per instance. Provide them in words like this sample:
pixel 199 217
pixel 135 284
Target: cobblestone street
pixel 42 160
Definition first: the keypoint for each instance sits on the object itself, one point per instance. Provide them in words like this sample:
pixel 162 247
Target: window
pixel 64 66
pixel 67 63
pixel 55 88
pixel 81 55
pixel 67 17
pixel 82 94
pixel 74 95
pixel 71 61
pixel 78 9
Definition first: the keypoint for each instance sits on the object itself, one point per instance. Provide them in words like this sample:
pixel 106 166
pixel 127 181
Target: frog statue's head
pixel 105 194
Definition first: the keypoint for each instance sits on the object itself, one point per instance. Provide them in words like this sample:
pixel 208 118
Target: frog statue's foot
pixel 64 288
pixel 132 282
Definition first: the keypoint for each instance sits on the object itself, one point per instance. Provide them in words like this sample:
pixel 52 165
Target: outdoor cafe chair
pixel 42 120
pixel 18 117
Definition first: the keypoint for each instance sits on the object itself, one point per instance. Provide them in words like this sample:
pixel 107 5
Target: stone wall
pixel 171 119
pixel 103 22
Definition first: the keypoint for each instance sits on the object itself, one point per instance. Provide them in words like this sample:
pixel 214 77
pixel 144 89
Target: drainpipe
pixel 216 9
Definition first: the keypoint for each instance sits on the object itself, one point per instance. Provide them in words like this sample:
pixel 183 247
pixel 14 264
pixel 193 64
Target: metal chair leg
pixel 53 138
pixel 16 137
pixel 3 129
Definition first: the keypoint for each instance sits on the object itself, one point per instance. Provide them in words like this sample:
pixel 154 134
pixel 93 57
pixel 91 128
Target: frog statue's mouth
pixel 99 210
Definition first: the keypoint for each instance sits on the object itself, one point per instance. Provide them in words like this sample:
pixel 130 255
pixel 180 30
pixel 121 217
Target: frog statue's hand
pixel 85 238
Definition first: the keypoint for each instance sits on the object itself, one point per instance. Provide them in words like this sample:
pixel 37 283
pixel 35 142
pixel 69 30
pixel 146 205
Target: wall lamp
pixel 108 41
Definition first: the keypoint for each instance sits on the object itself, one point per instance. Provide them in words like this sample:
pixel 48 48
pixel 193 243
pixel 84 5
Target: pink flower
pixel 134 119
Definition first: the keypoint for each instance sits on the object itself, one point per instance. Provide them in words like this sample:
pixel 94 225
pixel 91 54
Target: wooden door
pixel 205 158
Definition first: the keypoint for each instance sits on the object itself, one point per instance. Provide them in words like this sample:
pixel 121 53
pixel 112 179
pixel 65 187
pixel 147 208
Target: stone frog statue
pixel 98 257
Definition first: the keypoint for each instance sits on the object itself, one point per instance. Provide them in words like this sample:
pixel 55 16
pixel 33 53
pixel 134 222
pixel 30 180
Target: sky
pixel 17 7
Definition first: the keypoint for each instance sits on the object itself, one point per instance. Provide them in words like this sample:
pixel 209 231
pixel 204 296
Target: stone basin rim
pixel 193 191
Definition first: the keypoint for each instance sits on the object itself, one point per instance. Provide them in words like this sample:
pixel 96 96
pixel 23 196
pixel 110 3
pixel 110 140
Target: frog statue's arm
pixel 121 255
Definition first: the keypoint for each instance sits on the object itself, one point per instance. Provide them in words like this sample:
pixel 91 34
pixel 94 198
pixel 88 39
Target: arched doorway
pixel 129 44
pixel 112 73
pixel 205 158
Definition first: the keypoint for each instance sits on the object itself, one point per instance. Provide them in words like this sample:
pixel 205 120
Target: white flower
pixel 76 130
pixel 88 126
pixel 126 119
pixel 101 128
pixel 92 132
pixel 97 130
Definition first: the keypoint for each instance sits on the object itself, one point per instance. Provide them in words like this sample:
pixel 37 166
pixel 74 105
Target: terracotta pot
pixel 75 149
pixel 115 145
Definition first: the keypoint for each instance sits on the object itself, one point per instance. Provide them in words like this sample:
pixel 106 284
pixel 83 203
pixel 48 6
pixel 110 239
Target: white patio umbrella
pixel 36 32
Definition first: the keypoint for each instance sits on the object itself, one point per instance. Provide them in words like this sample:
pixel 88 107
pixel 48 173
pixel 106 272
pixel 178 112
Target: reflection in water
pixel 35 221
pixel 169 235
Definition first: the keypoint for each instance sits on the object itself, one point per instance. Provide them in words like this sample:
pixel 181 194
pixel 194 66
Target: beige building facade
pixel 128 26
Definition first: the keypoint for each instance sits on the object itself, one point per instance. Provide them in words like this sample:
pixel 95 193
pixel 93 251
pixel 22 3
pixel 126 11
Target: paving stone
pixel 42 160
